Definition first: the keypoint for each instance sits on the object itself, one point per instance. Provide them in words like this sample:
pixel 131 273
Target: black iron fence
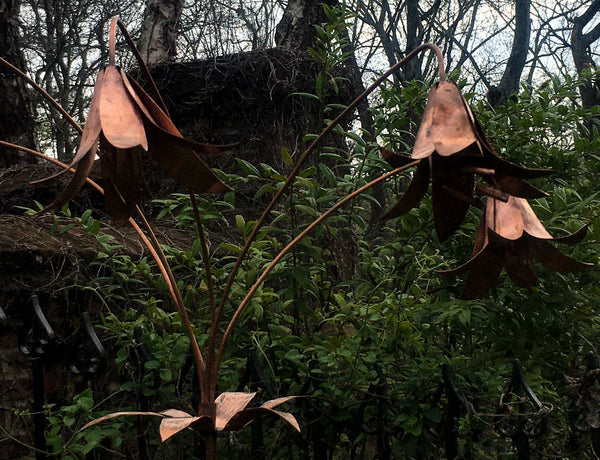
pixel 518 418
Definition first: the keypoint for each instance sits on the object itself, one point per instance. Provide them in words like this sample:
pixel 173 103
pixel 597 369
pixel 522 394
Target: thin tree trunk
pixel 16 112
pixel 158 37
pixel 582 56
pixel 296 30
pixel 509 84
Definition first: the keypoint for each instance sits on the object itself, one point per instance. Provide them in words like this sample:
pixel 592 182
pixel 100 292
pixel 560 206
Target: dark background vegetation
pixel 357 314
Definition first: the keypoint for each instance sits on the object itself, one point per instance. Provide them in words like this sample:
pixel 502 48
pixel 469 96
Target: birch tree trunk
pixel 158 38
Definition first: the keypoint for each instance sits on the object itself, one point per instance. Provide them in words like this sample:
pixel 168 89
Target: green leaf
pixel 287 158
pixel 240 222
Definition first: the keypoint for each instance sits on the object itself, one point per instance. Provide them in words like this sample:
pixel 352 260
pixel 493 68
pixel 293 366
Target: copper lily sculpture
pixel 227 413
pixel 452 148
pixel 127 122
pixel 511 236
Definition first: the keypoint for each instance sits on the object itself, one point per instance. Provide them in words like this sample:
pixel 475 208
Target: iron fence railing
pixel 519 417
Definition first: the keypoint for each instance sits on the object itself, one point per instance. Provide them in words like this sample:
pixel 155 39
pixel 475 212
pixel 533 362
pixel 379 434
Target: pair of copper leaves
pixel 452 149
pixel 229 412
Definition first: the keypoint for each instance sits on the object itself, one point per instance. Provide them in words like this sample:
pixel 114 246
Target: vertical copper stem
pixel 112 41
pixel 210 375
pixel 198 359
pixel 143 66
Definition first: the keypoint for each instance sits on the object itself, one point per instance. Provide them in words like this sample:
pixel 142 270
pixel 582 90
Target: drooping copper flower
pixel 127 122
pixel 227 413
pixel 452 148
pixel 511 236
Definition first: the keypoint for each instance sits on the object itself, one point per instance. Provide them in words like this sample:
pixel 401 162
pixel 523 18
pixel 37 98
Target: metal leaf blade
pixel 119 414
pixel 228 405
pixel 414 192
pixel 175 421
pixel 177 157
pixel 242 418
pixel 82 171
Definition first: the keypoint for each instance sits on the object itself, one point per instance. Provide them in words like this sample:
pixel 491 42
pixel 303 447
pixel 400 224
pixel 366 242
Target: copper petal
pixel 504 218
pixel 492 160
pixel 414 192
pixel 91 129
pixel 446 128
pixel 573 238
pixel 532 224
pixel 483 274
pixel 450 192
pixel 484 269
pixel 120 119
pixel 480 243
pixel 161 120
pixel 173 153
pixel 510 169
pixel 519 266
pixel 228 405
pixel 177 156
pixel 72 189
pixel 514 217
pixel 89 137
pixel 122 179
pixel 147 105
pixel 553 259
pixel 518 187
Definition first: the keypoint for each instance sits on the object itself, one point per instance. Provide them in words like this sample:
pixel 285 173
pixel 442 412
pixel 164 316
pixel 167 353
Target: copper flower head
pixel 511 236
pixel 452 147
pixel 127 122
pixel 227 413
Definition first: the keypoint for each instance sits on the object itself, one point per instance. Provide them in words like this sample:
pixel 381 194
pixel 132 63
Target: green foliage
pixel 358 305
pixel 63 435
